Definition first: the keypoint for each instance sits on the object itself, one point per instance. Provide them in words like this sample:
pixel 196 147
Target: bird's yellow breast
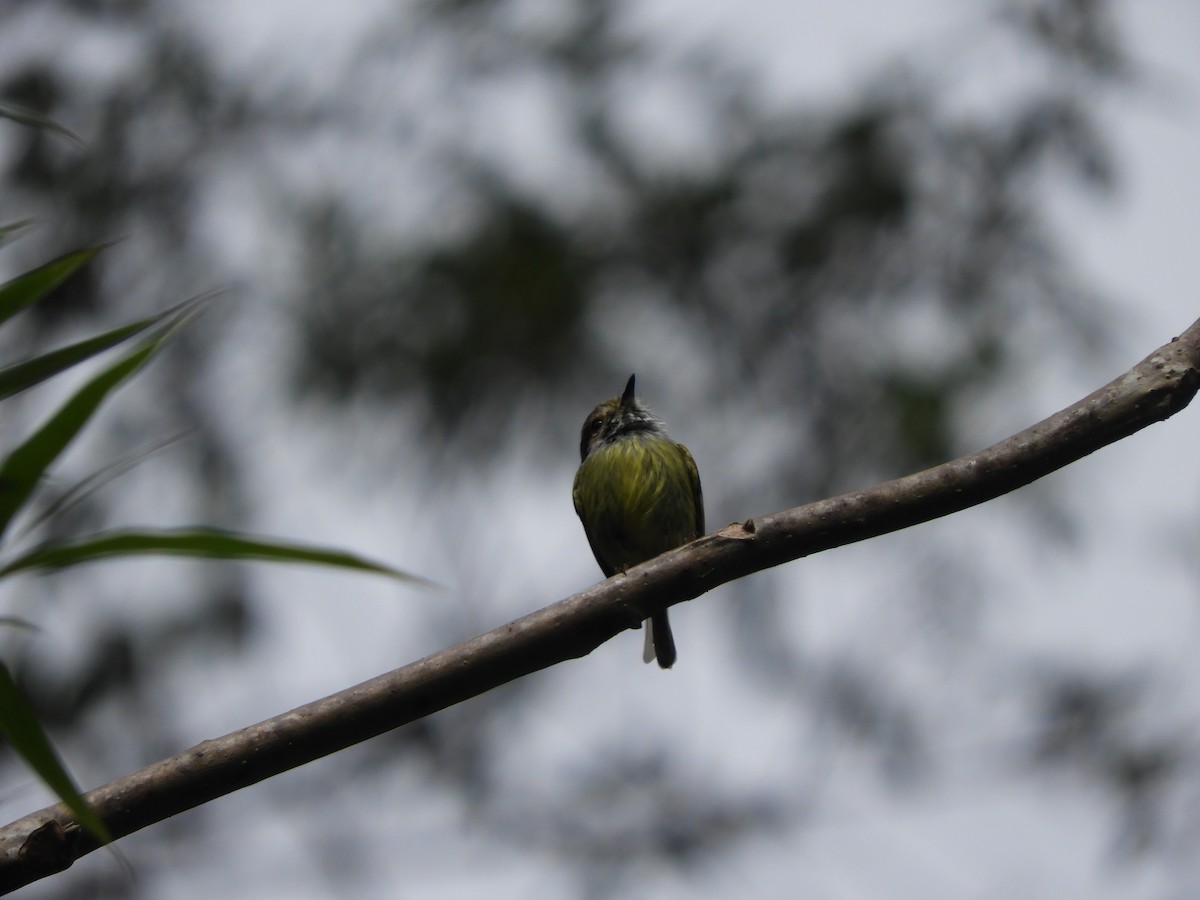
pixel 637 497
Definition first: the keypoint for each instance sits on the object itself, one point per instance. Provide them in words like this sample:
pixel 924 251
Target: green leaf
pixel 32 286
pixel 20 725
pixel 213 543
pixel 24 466
pixel 24 375
pixel 10 231
pixel 37 120
pixel 98 479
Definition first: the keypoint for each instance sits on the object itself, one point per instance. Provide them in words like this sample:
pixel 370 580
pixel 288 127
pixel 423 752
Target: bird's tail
pixel 660 643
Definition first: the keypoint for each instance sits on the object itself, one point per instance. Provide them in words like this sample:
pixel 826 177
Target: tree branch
pixel 50 840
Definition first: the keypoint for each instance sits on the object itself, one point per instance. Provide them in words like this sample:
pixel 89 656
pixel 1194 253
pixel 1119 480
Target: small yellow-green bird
pixel 637 493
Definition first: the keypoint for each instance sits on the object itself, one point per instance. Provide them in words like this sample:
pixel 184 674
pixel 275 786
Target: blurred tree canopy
pixel 770 233
pixel 771 237
pixel 481 210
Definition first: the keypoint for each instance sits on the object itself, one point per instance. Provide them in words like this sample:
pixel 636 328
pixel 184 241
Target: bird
pixel 637 492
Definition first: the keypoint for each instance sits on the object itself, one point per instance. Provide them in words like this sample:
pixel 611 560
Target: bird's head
pixel 616 418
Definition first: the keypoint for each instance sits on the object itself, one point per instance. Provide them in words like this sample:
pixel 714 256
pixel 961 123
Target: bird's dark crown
pixel 617 418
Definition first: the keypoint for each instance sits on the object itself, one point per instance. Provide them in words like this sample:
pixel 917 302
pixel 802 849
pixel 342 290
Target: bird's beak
pixel 627 397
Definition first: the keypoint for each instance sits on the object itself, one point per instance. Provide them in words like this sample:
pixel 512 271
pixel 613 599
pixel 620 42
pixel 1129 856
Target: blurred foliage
pixel 1089 724
pixel 508 303
pixel 790 244
pixel 781 232
pixel 23 473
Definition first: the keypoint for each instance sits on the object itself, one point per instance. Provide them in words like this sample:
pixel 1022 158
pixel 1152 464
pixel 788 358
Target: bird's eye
pixel 595 424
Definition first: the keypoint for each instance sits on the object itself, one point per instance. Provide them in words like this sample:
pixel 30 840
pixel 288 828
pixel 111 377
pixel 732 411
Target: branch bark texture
pixel 50 840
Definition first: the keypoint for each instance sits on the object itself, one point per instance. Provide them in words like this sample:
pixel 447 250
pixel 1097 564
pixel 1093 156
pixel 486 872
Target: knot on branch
pixel 49 849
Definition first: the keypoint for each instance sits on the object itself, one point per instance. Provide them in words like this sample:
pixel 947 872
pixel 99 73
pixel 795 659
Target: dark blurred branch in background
pixel 50 840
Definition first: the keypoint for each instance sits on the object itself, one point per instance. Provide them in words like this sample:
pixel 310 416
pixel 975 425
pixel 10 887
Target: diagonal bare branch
pixel 50 840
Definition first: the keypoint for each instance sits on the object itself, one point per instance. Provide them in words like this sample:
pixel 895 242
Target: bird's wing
pixel 697 493
pixel 608 570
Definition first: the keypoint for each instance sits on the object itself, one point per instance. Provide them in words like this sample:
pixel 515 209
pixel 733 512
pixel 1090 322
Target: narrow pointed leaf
pixel 32 286
pixel 11 230
pixel 37 120
pixel 213 543
pixel 24 375
pixel 23 730
pixel 24 466
pixel 98 479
